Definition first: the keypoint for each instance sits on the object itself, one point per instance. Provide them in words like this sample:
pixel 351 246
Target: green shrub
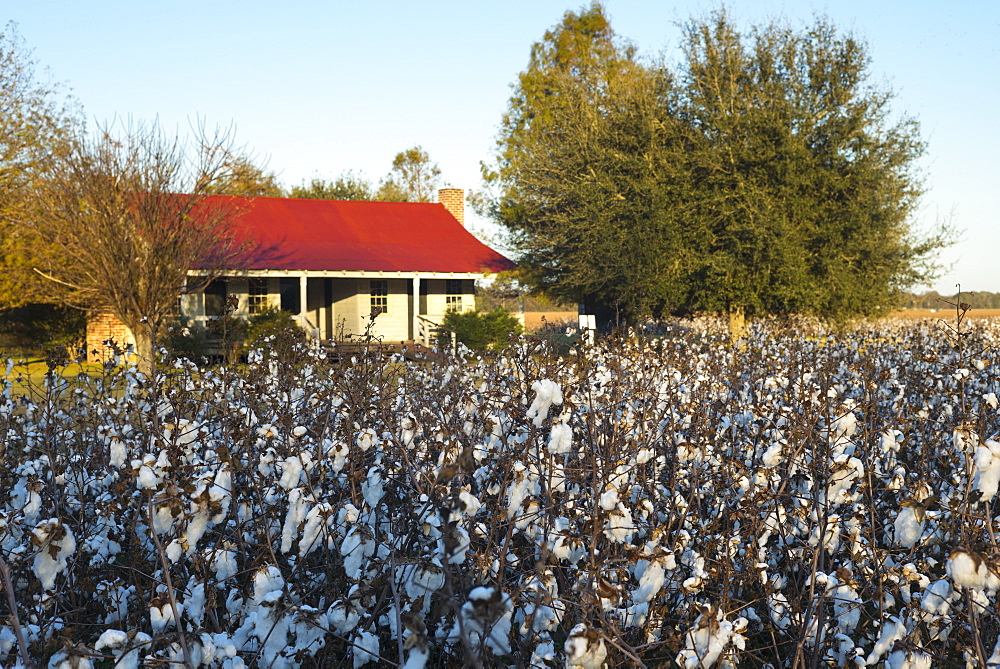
pixel 480 331
pixel 273 323
pixel 42 329
pixel 232 338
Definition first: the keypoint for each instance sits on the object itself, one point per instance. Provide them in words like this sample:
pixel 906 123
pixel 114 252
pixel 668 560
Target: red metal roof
pixel 315 235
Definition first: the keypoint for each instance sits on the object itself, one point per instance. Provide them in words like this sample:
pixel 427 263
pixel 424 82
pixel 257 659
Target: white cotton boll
pixel 585 648
pixel 339 452
pixel 224 565
pixel 774 455
pixel 620 528
pixel 116 642
pixel 688 452
pixel 846 602
pixel 424 580
pixel 312 533
pixel 299 431
pixel 966 569
pixel 295 515
pixel 112 640
pixel 889 441
pixel 366 649
pixel 907 530
pixel 893 630
pixel 547 393
pixel 221 492
pixel 777 605
pixel 343 616
pixel 416 658
pixel 487 615
pixel 991 400
pixel 195 530
pixel 55 544
pixel 987 477
pixel 652 580
pixel 347 515
pixel 523 485
pixel 936 598
pixel 117 453
pixel 706 641
pixel 147 478
pixel 357 547
pixel 560 439
pixel 266 580
pixel 68 659
pixel 271 629
pixel 161 614
pixel 471 502
pixel 994 660
pixel 458 547
pixel 845 426
pixel 367 438
pixel 291 472
pixel 903 659
pixel 7 641
pixel 609 499
pixel 844 472
pixel 372 488
pixel 544 654
pixel 174 551
pixel 194 604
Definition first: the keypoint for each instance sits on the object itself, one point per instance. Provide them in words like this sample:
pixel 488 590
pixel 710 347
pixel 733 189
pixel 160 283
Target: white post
pixel 303 280
pixel 416 310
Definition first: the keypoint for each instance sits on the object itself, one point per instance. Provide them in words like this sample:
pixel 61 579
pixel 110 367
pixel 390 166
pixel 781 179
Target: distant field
pixel 917 314
pixel 533 319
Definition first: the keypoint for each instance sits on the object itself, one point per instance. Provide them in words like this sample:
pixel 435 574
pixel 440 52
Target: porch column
pixel 416 309
pixel 303 321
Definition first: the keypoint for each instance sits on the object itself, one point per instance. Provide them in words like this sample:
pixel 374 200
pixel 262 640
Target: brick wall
pixel 102 326
pixel 453 200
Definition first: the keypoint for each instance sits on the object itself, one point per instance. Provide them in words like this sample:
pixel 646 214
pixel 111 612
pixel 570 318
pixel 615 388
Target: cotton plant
pixel 709 638
pixel 712 456
pixel 55 544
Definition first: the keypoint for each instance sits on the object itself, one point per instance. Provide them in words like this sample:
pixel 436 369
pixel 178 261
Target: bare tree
pixel 130 209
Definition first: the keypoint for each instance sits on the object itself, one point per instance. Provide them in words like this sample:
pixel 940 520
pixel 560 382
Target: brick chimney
pixel 453 200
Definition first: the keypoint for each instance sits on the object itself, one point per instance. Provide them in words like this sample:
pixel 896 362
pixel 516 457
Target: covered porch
pixel 339 305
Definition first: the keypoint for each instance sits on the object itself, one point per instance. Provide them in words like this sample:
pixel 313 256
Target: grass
pixel 27 377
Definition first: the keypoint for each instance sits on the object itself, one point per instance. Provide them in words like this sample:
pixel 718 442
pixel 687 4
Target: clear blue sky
pixel 316 88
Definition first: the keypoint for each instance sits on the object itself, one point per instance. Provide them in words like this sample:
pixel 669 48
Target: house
pixel 340 265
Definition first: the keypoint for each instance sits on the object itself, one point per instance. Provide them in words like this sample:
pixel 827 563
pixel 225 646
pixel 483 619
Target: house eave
pixel 339 274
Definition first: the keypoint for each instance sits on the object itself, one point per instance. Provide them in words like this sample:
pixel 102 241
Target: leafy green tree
pixel 583 174
pixel 806 183
pixel 36 121
pixel 414 178
pixel 765 174
pixel 347 186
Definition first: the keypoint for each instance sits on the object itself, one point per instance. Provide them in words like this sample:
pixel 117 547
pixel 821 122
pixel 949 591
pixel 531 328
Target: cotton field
pixel 806 498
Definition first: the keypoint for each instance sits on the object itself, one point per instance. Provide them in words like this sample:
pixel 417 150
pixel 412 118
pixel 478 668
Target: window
pixel 379 296
pixel 257 300
pixel 291 294
pixel 215 298
pixel 453 294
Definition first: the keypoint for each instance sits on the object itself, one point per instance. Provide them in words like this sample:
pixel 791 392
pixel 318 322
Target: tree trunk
pixel 737 325
pixel 145 355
